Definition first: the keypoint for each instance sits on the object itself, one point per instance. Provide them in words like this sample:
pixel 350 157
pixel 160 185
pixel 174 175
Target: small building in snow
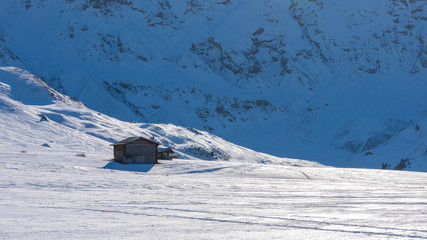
pixel 136 150
pixel 166 153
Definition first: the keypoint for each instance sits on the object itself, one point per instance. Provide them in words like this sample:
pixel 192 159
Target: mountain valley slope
pixel 342 83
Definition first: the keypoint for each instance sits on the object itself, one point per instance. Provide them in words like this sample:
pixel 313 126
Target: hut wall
pixel 141 153
pixel 118 153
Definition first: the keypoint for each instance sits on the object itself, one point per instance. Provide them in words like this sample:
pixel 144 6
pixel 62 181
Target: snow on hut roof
pixel 133 139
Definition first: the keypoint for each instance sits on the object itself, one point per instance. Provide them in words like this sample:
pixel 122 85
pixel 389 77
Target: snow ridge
pixel 35 116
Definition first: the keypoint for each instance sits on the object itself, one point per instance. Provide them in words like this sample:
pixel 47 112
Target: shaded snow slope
pixel 55 123
pixel 338 82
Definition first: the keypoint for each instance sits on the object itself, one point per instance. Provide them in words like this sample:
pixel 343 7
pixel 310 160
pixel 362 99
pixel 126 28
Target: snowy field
pixel 63 196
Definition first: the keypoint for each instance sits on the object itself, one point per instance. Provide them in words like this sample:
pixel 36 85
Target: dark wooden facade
pixel 136 150
pixel 166 154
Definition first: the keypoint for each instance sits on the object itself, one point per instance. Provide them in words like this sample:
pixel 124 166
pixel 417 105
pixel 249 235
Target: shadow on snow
pixel 129 167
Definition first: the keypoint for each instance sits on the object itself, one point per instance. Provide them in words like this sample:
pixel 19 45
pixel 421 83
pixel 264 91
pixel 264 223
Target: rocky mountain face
pixel 343 83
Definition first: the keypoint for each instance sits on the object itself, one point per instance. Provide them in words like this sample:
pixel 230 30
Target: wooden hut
pixel 166 153
pixel 136 150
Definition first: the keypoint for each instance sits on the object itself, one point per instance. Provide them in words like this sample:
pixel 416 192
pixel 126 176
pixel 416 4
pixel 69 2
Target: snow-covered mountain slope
pixel 341 82
pixel 35 117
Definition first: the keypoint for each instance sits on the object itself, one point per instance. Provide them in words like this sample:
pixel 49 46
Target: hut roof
pixel 165 149
pixel 133 139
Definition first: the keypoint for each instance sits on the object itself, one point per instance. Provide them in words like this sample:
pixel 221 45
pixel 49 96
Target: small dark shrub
pixel 404 163
pixel 385 166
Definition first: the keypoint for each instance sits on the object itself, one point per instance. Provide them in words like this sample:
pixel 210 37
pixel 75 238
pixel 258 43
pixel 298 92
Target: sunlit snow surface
pixel 57 181
pixel 62 196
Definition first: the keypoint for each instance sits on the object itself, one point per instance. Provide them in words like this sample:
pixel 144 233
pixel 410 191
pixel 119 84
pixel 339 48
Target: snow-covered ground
pixel 58 195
